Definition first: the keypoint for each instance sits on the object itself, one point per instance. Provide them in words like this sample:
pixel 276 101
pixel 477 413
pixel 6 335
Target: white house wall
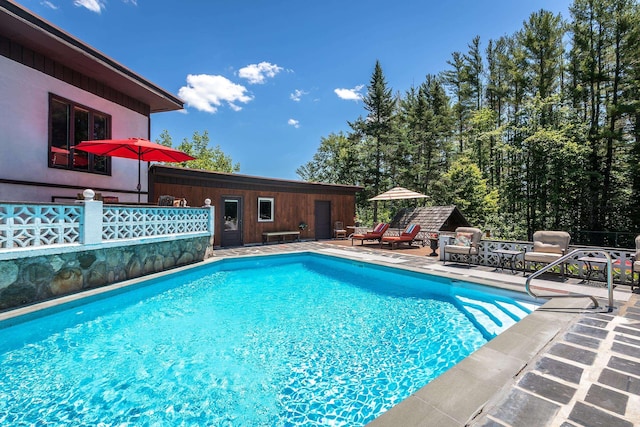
pixel 24 127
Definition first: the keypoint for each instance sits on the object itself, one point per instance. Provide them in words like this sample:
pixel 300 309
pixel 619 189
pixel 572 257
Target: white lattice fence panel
pixel 486 255
pixel 620 258
pixel 23 225
pixel 119 222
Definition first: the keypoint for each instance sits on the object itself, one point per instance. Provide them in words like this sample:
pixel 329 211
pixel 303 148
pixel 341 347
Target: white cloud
pixel 297 95
pixel 294 123
pixel 257 73
pixel 206 92
pixel 350 94
pixel 93 5
pixel 48 4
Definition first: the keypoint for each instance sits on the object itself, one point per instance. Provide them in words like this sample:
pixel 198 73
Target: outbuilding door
pixel 231 222
pixel 323 219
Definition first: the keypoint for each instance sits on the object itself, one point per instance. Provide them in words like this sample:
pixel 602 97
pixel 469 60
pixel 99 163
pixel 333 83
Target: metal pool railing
pixel 564 259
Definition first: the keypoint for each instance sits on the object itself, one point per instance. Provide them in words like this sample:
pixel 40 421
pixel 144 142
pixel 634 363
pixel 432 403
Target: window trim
pixel 271 200
pixel 71 134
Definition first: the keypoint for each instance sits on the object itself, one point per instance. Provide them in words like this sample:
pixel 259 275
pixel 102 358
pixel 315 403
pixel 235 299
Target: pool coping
pixel 455 398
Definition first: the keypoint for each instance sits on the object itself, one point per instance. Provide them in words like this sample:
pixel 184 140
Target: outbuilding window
pixel 69 124
pixel 265 209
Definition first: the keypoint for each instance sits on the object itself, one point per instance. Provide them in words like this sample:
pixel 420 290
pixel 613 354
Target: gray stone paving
pixel 587 376
pixel 605 366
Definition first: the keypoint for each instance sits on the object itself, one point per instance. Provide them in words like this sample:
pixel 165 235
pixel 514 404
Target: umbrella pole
pixel 138 177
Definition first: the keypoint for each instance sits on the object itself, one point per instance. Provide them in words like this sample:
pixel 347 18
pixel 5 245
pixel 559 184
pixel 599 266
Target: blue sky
pixel 268 80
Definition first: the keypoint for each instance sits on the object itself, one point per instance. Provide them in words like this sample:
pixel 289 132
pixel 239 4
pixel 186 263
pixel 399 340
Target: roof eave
pixel 35 33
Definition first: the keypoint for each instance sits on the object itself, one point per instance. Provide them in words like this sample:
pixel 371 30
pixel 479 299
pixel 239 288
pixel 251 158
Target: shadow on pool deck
pixel 566 364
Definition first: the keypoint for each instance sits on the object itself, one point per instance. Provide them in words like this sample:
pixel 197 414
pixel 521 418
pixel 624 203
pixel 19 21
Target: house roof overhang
pixel 33 32
pixel 205 178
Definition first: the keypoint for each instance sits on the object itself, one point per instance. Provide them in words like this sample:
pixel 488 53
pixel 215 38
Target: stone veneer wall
pixel 31 279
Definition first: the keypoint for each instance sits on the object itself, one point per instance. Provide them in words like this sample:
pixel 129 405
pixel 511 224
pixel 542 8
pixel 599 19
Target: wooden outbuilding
pixel 252 209
pixel 431 218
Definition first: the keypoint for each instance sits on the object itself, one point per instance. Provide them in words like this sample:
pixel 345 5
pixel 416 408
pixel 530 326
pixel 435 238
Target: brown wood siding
pixel 290 208
pixel 294 201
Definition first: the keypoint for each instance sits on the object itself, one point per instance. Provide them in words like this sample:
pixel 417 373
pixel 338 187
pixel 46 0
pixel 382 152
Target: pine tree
pixel 377 130
pixel 457 80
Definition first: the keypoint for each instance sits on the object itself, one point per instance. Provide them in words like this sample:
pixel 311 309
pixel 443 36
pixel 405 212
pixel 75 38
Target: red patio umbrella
pixel 133 148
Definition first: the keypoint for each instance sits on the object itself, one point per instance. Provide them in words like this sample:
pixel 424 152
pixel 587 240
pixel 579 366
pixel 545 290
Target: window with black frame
pixel 265 209
pixel 70 124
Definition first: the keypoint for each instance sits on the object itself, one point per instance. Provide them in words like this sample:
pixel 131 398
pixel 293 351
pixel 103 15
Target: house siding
pixel 24 171
pixel 53 68
pixel 293 201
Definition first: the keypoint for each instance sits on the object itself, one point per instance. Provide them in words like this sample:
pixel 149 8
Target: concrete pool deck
pixel 564 365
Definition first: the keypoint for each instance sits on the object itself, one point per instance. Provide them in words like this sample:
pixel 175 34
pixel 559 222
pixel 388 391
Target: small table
pixel 505 255
pixel 589 261
pixel 352 230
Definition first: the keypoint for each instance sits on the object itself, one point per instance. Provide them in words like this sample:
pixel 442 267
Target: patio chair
pixel 635 265
pixel 180 203
pixel 339 232
pixel 376 234
pixel 548 246
pixel 407 236
pixel 466 243
pixel 166 200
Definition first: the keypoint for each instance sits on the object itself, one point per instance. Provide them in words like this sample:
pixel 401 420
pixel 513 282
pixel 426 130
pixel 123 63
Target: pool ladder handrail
pixel 561 260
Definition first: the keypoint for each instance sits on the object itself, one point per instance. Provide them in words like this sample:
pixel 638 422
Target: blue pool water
pixel 281 340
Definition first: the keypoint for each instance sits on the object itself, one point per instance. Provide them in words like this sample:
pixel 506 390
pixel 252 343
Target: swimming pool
pixel 302 339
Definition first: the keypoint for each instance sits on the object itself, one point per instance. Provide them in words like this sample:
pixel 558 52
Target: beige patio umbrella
pixel 397 193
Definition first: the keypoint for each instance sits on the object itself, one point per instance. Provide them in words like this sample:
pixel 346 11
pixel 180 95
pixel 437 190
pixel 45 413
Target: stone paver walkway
pixel 589 375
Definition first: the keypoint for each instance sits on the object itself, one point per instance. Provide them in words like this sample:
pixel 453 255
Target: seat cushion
pixel 368 236
pixel 456 249
pixel 541 256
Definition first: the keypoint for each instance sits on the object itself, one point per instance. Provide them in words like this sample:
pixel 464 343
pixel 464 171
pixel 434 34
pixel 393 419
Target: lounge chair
pixel 548 246
pixel 407 236
pixel 339 232
pixel 635 264
pixel 376 234
pixel 466 243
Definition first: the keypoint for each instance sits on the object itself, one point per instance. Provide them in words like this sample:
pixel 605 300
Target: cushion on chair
pixel 378 228
pixel 550 248
pixel 546 257
pixel 463 239
pixel 551 241
pixel 457 249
